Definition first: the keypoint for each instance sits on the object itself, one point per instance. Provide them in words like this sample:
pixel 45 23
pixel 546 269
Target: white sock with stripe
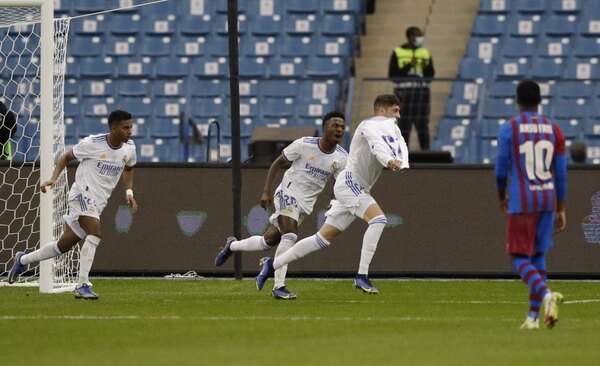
pixel 370 240
pixel 86 258
pixel 251 244
pixel 47 251
pixel 301 249
pixel 287 241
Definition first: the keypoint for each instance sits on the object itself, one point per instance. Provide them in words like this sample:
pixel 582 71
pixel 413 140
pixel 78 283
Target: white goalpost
pixel 33 60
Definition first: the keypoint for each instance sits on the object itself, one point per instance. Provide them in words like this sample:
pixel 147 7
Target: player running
pixel 314 161
pixel 533 150
pixel 377 143
pixel 103 158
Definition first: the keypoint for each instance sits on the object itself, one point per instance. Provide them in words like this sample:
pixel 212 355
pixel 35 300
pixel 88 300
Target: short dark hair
pixel 118 116
pixel 411 30
pixel 528 93
pixel 330 115
pixel 386 101
pixel 578 153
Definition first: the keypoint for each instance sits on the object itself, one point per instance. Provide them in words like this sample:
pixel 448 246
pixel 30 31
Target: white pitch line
pixel 581 301
pixel 87 317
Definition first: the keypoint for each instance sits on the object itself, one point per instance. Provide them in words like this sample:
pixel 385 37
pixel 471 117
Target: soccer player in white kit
pixel 377 143
pixel 103 158
pixel 314 161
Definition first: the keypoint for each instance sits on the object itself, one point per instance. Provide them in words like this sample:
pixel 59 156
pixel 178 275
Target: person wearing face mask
pixel 410 67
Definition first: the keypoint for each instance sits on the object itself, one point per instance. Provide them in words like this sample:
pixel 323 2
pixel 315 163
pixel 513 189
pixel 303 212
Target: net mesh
pixel 20 50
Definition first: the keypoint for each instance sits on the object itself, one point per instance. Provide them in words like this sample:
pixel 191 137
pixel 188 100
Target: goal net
pixel 33 93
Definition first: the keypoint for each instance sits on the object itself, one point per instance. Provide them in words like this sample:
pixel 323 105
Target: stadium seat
pixel 523 26
pixel 546 68
pixel 488 127
pixel 252 67
pixel 96 88
pixel 208 88
pixel 531 6
pixel 455 108
pixel 326 66
pixel 90 27
pixel 312 110
pixel 517 47
pixel 120 47
pixel 258 46
pixel 134 67
pixel 95 68
pixel 592 150
pixel 158 25
pixel 263 8
pixel 139 107
pixel 502 89
pixel 209 67
pixel 565 7
pixel 588 25
pixel 333 46
pixel 453 129
pixel 585 47
pixel 559 26
pixel 285 67
pixel 71 88
pixel 582 70
pixel 248 107
pixel 247 88
pixel 86 46
pixel 488 25
pixel 277 107
pixel 302 6
pixel 62 7
pixel 191 25
pixel 167 8
pixel 171 67
pixel 337 25
pixel 569 109
pixel 279 88
pixel 499 109
pixel 341 6
pixel 295 46
pixel 458 151
pixel 125 24
pixel 133 88
pixel 220 27
pixel 484 48
pixel 510 69
pixel 167 149
pixel 468 91
pixel 574 89
pixel 167 107
pixel 571 128
pixel 489 151
pixel 189 46
pixel 205 109
pixel 590 9
pixel 195 8
pixel 300 24
pixel 89 6
pixel 220 6
pixel 217 46
pixel 72 108
pixel 319 91
pixel 92 126
pixel 139 129
pixel 168 88
pixel 265 25
pixel 494 7
pixel 164 127
pixel 156 46
pixel 474 69
pixel 553 47
pixel 592 129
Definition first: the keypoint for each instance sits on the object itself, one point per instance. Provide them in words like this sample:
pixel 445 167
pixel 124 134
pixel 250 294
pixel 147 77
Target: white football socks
pixel 370 240
pixel 287 241
pixel 301 249
pixel 86 258
pixel 47 251
pixel 251 244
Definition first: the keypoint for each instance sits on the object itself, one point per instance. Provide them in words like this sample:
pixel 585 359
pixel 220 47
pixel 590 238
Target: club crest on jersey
pixel 334 165
pixel 102 156
pixel 124 159
pixel 312 158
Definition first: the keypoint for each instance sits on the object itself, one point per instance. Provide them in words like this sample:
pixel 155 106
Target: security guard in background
pixel 410 67
pixel 7 130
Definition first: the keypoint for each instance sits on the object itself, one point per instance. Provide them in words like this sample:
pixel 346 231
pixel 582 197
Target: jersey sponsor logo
pixel 108 169
pixel 541 187
pixel 317 172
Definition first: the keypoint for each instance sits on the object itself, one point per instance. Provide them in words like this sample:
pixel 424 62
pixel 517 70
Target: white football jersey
pixel 311 169
pixel 100 167
pixel 376 141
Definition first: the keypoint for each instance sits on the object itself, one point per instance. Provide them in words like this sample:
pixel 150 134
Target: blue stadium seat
pixel 499 109
pixel 569 109
pixel 285 67
pixel 473 69
pixel 516 47
pixel 155 46
pixel 208 88
pixel 89 26
pixel 94 67
pixel 265 26
pixel 458 108
pixel 97 106
pixel 319 90
pixel 311 110
pixel 341 6
pixel 571 128
pixel 510 69
pixel 546 68
pixel 489 151
pixel 139 129
pixel 488 127
pixel 189 46
pixel 277 107
pixel 258 46
pixel 252 67
pixel 279 88
pixel 120 47
pixel 494 7
pixel 96 88
pixel 71 88
pixel 502 89
pixel 139 107
pixel 302 6
pixel 453 129
pixel 158 25
pixel 164 9
pixel 217 46
pixel 338 25
pixel 134 67
pixel 167 149
pixel 531 6
pixel 205 109
pixel 220 6
pixel 574 89
pixel 460 153
pixel 70 129
pixel 72 108
pixel 89 6
pixel 483 47
pixel 194 26
pixel 171 67
pixel 565 7
pixel 553 47
pixel 133 88
pixel 92 126
pixel 592 150
pixel 333 46
pixel 300 25
pixel 247 88
pixel 220 27
pixel 209 67
pixel 585 47
pixel 588 24
pixel 164 127
pixel 326 66
pixel 295 46
pixel 263 8
pixel 592 129
pixel 167 107
pixel 488 25
pixel 168 88
pixel 86 46
pixel 248 107
pixel 464 90
pixel 582 70
pixel 590 9
pixel 559 26
pixel 194 7
pixel 62 7
pixel 523 26
pixel 125 24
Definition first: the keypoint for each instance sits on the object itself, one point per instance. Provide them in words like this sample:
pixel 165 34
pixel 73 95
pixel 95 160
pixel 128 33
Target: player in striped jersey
pixel 377 143
pixel 102 160
pixel 532 150
pixel 314 161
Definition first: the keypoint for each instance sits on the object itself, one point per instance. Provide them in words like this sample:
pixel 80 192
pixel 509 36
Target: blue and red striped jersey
pixel 533 149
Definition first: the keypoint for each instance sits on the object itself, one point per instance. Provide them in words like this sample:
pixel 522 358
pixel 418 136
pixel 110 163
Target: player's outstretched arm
pixel 128 183
pixel 60 166
pixel 267 194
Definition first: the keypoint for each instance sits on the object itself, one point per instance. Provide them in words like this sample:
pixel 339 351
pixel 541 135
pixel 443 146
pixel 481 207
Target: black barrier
pixel 442 221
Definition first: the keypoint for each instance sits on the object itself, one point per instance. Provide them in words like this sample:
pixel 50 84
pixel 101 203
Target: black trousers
pixel 416 106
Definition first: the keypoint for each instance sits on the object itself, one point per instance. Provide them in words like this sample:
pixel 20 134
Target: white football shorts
pixel 286 205
pixel 352 201
pixel 80 205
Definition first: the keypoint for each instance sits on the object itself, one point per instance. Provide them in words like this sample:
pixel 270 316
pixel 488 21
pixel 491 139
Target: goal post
pixel 33 51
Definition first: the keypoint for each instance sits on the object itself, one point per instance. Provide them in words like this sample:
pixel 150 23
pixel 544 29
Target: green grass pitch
pixel 227 322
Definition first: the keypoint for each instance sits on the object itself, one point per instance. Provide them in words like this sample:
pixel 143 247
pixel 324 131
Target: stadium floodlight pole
pixel 236 171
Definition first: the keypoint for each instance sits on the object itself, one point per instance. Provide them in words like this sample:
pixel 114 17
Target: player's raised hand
pixel 132 203
pixel 265 200
pixel 560 222
pixel 395 165
pixel 47 184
